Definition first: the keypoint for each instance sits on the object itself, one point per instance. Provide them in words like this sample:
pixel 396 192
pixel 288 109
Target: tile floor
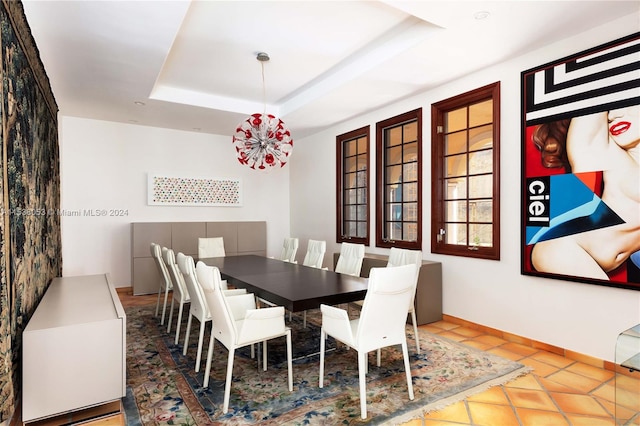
pixel 560 391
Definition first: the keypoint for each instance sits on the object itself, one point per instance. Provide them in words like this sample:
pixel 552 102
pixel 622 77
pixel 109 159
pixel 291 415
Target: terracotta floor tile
pixel 429 422
pixel 519 349
pixel 540 368
pixel 444 325
pixel 456 413
pixel 453 336
pixel 575 381
pixel 477 345
pixel 527 398
pixel 627 399
pixel 491 415
pixel 530 417
pixel 579 404
pixel 490 340
pixel 609 406
pixel 626 382
pixel 467 332
pixel 626 417
pixel 551 386
pixel 577 420
pixel 431 329
pixel 590 371
pixel 494 395
pixel 606 391
pixel 525 382
pixel 500 351
pixel 552 359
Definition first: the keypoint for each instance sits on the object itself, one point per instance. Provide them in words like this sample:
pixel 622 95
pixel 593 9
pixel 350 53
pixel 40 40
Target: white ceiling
pixel 193 63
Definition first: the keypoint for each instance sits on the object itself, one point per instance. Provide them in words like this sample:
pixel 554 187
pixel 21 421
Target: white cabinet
pixel 74 348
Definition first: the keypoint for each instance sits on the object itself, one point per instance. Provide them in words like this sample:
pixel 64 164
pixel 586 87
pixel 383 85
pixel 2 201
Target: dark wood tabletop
pixel 296 287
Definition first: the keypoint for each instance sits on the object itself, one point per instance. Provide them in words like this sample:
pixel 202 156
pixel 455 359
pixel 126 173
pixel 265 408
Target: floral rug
pixel 163 389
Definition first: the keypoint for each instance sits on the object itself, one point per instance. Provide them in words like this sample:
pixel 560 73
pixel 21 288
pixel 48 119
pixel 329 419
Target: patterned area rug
pixel 164 389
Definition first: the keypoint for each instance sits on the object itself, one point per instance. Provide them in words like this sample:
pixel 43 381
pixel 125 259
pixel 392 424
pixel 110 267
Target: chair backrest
pixel 398 257
pixel 156 252
pixel 224 327
pixel 384 311
pixel 211 247
pixel 315 253
pixel 179 287
pixel 350 259
pixel 289 249
pixel 199 306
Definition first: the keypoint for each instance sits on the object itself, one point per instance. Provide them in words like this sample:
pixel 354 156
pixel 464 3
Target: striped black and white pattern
pixel 600 79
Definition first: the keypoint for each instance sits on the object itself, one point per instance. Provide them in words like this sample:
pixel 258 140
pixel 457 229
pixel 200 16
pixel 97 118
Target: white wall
pixel 581 317
pixel 104 165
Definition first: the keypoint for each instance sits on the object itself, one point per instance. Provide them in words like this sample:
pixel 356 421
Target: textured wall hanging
pixel 193 191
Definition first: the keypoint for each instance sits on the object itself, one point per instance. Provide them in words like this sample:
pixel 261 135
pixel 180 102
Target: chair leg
pixel 227 386
pixel 378 357
pixel 170 315
pixel 178 322
pixel 362 378
pixel 207 369
pixel 264 355
pixel 200 338
pixel 415 329
pixel 158 302
pixel 407 368
pixel 323 336
pixel 164 306
pixel 289 362
pixel 186 336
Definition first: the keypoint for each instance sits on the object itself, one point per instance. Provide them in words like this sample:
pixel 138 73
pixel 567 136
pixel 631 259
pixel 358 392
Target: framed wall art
pixel 193 191
pixel 580 166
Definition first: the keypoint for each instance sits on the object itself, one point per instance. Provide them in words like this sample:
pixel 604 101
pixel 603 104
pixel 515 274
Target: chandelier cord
pixel 264 91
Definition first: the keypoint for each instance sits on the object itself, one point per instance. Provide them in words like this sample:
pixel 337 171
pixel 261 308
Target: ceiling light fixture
pixel 483 14
pixel 262 141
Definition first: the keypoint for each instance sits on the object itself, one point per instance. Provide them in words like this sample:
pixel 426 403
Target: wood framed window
pixel 399 181
pixel 352 176
pixel 465 145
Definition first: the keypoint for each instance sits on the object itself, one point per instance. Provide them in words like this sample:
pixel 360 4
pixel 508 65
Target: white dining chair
pixel 198 308
pixel 289 250
pixel 165 284
pixel 180 292
pixel 350 259
pixel 255 326
pixel 211 247
pixel 314 256
pixel 398 257
pixel 381 323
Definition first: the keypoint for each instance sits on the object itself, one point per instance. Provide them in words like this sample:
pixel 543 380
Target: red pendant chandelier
pixel 262 140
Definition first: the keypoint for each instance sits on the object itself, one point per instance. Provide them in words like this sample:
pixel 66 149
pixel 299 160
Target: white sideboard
pixel 74 348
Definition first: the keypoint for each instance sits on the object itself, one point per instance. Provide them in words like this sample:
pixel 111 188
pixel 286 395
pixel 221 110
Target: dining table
pixel 296 287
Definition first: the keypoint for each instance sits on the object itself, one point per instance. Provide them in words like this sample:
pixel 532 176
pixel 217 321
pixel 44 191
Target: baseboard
pixel 514 338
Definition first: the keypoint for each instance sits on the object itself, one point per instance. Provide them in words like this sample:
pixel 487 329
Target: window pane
pixel 362 162
pixel 480 186
pixel 411 132
pixel 393 136
pixel 481 211
pixel 394 155
pixel 455 211
pixel 394 174
pixel 393 193
pixel 455 120
pixel 394 231
pixel 456 165
pixel 410 152
pixel 362 178
pixel 350 148
pixel 362 229
pixel 361 196
pixel 362 145
pixel 455 143
pixel 410 192
pixel 410 212
pixel 480 138
pixel 350 213
pixel 481 162
pixel 351 228
pixel 395 211
pixel 410 232
pixel 350 164
pixel 481 113
pixel 481 235
pixel 350 180
pixel 456 188
pixel 350 196
pixel 456 233
pixel 362 212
